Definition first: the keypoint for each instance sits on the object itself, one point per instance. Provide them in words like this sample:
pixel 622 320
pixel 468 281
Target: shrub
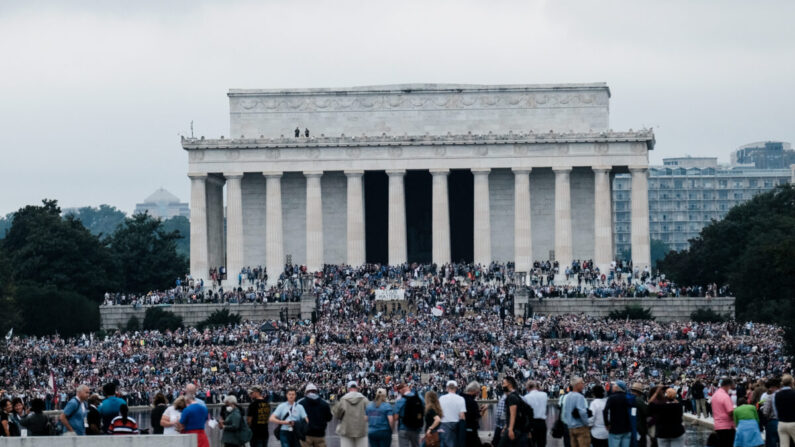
pixel 708 316
pixel 633 312
pixel 159 319
pixel 46 310
pixel 219 318
pixel 133 324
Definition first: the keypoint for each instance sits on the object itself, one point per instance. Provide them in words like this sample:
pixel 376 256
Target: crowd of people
pixel 544 280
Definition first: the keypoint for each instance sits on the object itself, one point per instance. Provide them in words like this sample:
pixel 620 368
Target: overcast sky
pixel 94 94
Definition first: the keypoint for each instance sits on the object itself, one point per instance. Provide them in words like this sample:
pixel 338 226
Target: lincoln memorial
pixel 414 173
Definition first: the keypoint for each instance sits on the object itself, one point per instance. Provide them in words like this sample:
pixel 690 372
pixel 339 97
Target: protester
pixel 667 414
pixel 410 409
pixel 319 415
pixel 453 411
pixel 287 415
pixel 257 415
pixel 352 417
pixel 110 406
pixel 93 418
pixel 746 419
pixel 784 401
pixel 75 412
pixel 160 404
pixel 123 424
pixel 574 414
pixel 722 409
pixel 36 423
pixel 433 418
pixel 172 415
pixel 768 411
pixel 234 424
pixel 514 433
pixel 537 400
pixel 617 416
pixel 192 420
pixel 599 433
pixel 642 415
pixel 380 420
pixel 474 413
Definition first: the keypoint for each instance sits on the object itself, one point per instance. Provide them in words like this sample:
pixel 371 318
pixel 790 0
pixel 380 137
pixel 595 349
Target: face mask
pixel 229 409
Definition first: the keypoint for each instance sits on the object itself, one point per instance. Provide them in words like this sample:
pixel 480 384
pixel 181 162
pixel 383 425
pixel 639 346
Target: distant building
pixel 164 205
pixel 764 155
pixel 686 194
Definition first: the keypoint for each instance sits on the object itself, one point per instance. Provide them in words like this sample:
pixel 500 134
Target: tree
pixel 707 316
pixel 751 250
pixel 101 221
pixel 11 317
pixel 133 324
pixel 219 318
pixel 182 225
pixel 146 255
pixel 157 318
pixel 45 249
pixel 46 310
pixel 633 312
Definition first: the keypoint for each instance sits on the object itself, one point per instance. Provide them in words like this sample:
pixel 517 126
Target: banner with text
pixel 390 295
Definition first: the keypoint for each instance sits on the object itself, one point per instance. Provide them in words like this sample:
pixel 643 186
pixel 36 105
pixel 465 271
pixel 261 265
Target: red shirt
pixel 722 408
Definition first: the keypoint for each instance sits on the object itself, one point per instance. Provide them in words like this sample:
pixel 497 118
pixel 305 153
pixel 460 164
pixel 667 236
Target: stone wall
pixel 114 317
pixel 664 309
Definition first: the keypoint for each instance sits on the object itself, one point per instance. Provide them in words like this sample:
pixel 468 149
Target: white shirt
pixel 452 404
pixel 538 402
pixel 173 415
pixel 598 429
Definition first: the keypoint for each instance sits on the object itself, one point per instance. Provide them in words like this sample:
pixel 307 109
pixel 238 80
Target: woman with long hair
pixel 433 419
pixel 171 416
pixel 380 420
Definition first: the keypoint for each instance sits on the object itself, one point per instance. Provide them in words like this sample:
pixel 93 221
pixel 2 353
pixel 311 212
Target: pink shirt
pixel 721 410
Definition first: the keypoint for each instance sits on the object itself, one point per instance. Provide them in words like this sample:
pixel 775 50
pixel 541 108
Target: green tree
pixel 11 317
pixel 182 225
pixel 157 318
pixel 751 250
pixel 101 221
pixel 633 312
pixel 707 316
pixel 133 324
pixel 47 310
pixel 219 318
pixel 45 249
pixel 146 255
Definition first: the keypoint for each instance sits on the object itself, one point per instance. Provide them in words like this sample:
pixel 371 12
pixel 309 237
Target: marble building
pixel 419 172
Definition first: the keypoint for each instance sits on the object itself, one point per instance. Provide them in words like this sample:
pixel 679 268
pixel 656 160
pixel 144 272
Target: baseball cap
pixel 353 384
pixel 452 383
pixel 310 387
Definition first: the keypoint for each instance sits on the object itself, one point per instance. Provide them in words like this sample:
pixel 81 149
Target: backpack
pixel 413 412
pixel 524 416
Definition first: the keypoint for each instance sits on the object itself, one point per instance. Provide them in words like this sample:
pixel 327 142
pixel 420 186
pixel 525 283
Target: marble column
pixel 234 226
pixel 563 244
pixel 522 228
pixel 355 227
pixel 198 227
pixel 274 239
pixel 440 217
pixel 641 246
pixel 215 222
pixel 397 217
pixel 314 221
pixel 603 219
pixel 482 211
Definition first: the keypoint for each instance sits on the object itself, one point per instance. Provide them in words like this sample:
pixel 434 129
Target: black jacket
pixel 785 405
pixel 319 414
pixel 616 413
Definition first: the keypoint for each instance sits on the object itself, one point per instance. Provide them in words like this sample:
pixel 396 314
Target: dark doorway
pixel 376 216
pixel 418 215
pixel 460 191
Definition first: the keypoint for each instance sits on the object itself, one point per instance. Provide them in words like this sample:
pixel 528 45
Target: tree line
pixel 54 271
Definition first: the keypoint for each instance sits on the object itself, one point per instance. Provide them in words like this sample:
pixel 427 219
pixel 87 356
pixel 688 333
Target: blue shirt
pixel 109 409
pixel 400 407
pixel 378 417
pixel 75 412
pixel 570 402
pixel 193 417
pixel 287 412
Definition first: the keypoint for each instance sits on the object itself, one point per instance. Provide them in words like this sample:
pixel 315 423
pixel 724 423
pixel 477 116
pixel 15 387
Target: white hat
pixel 353 384
pixel 310 387
pixel 452 384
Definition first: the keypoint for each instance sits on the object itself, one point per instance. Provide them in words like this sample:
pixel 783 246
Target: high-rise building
pixel 764 155
pixel 687 193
